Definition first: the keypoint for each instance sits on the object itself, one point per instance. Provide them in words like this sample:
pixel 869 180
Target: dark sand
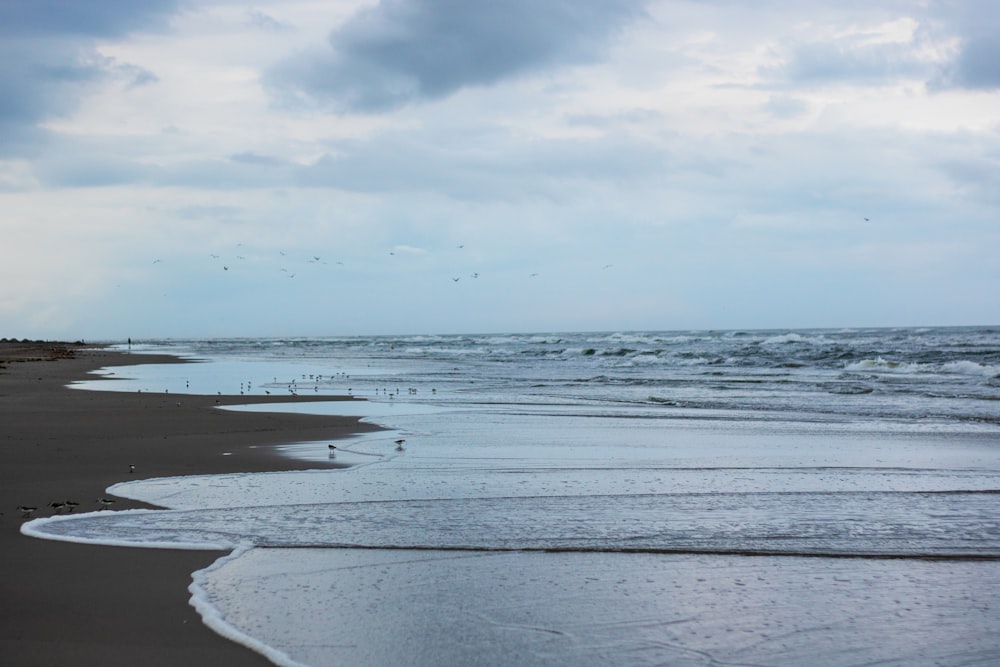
pixel 69 604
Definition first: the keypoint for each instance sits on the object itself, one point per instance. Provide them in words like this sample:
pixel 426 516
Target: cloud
pixel 784 106
pixel 879 53
pixel 976 59
pixel 266 22
pixel 94 18
pixel 979 64
pixel 403 51
pixel 47 58
pixel 946 44
pixel 492 167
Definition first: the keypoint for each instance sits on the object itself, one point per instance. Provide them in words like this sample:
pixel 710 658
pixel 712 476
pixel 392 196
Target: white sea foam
pixel 797 338
pixel 883 365
pixel 961 367
pixel 971 368
pixel 79 529
pixel 216 620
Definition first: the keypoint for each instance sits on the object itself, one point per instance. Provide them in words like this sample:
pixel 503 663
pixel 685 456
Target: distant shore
pixel 70 604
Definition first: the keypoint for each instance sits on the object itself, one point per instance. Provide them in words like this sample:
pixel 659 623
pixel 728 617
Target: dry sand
pixel 69 604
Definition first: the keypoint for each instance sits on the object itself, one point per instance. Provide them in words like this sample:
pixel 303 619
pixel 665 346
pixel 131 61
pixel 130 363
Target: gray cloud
pixel 47 57
pixel 976 23
pixel 979 64
pixel 93 18
pixel 266 22
pixel 853 59
pixel 402 51
pixel 822 63
pixel 784 106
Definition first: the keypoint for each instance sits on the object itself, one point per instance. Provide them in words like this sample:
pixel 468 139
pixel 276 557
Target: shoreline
pixel 83 604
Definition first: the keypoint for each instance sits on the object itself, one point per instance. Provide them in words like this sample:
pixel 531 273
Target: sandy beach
pixel 66 604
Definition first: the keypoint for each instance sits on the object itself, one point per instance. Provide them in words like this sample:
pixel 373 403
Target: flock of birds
pixel 291 267
pixel 60 506
pixel 290 271
pixel 68 506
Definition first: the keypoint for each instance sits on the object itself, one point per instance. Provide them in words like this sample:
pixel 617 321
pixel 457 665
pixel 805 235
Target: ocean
pixel 825 497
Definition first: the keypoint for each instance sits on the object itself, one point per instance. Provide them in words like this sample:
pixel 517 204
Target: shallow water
pixel 448 608
pixel 736 498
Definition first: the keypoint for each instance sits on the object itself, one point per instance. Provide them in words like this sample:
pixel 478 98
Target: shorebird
pixel 106 502
pixel 332 450
pixel 399 444
pixel 131 467
pixel 26 510
pixel 72 505
pixel 57 506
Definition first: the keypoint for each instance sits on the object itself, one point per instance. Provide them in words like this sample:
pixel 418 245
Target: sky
pixel 212 168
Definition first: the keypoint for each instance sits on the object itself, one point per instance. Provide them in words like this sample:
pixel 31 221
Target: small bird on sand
pixel 399 444
pixel 106 502
pixel 131 467
pixel 72 505
pixel 57 506
pixel 26 510
pixel 333 451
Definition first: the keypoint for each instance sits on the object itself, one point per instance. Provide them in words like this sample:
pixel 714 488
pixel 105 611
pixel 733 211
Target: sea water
pixel 825 497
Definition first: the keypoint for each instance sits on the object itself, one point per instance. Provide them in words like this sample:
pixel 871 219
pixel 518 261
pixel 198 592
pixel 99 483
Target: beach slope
pixel 68 604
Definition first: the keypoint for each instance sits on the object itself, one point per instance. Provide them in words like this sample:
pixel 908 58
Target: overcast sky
pixel 174 168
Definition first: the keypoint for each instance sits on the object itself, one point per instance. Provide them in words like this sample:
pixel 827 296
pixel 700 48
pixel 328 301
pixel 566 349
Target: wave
pixel 878 524
pixel 971 368
pixel 958 367
pixel 797 338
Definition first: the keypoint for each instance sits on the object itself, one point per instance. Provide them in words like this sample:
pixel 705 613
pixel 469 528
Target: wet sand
pixel 68 604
